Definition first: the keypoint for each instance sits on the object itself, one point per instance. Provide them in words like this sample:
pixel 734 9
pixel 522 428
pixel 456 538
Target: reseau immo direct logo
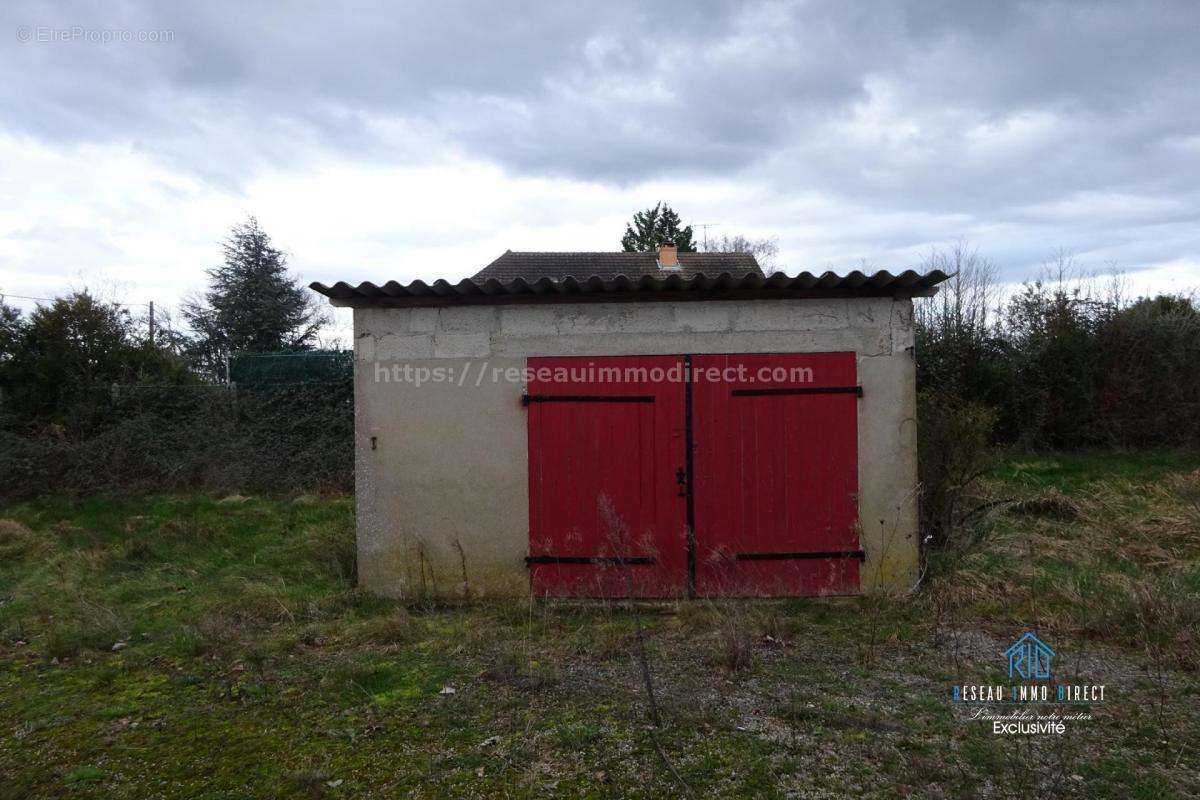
pixel 1038 703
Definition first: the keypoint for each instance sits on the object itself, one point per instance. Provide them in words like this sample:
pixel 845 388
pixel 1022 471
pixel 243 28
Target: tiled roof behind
pixel 581 266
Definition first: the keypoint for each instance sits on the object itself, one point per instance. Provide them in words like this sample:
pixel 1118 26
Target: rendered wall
pixel 441 467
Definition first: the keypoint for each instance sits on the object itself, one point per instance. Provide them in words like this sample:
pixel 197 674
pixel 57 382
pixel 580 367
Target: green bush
pixel 1063 366
pixel 954 451
pixel 289 438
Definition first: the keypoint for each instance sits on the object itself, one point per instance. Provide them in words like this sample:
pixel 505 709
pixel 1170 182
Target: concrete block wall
pixel 441 462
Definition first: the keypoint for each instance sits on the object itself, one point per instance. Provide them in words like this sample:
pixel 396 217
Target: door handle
pixel 681 480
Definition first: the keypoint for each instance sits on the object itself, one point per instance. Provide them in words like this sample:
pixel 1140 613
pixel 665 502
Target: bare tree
pixel 965 303
pixel 765 250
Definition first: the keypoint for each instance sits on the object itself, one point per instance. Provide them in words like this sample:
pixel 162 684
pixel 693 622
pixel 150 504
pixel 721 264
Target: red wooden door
pixel 770 489
pixel 775 474
pixel 606 440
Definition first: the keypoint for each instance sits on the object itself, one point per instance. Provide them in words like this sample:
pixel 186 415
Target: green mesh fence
pixel 253 370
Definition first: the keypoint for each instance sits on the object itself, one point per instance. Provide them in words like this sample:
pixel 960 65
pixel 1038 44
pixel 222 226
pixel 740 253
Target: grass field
pixel 193 647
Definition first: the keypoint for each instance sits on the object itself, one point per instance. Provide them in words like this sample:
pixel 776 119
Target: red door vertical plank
pixel 777 476
pixel 597 442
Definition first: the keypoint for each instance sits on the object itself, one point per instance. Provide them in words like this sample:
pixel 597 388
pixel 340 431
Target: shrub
pixel 1149 385
pixel 1064 364
pixel 954 451
pixel 296 438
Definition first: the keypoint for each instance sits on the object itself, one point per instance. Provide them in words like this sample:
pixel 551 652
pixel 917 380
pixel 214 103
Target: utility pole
pixel 152 323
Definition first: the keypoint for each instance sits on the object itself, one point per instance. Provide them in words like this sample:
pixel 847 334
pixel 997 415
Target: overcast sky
pixel 404 141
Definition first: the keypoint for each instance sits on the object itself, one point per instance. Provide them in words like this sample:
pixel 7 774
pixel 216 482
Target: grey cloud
pixel 984 108
pixel 616 91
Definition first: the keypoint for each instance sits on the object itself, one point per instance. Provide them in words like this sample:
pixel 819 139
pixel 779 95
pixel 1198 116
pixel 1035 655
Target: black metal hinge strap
pixel 589 560
pixel 586 398
pixel 858 390
pixel 859 554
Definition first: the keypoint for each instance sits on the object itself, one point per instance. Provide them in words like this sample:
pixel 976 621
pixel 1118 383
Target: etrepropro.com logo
pixel 82 34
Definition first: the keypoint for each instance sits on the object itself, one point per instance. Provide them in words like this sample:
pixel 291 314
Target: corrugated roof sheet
pixel 739 277
pixel 558 266
pixel 570 289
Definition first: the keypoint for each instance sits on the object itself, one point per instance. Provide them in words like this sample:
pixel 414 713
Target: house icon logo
pixel 1029 657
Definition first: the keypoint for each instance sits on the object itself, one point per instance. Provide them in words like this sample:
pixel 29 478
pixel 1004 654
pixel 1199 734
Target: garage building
pixel 656 424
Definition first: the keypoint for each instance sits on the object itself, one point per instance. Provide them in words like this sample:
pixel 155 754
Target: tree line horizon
pixel 1058 363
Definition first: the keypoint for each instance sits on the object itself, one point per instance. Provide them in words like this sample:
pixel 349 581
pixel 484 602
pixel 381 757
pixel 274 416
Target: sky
pixel 380 141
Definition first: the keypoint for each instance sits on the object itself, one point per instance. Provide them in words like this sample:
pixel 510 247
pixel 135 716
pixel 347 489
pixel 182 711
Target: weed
pixel 575 735
pixel 737 643
pixel 264 657
pixel 84 775
pixel 19 543
pixel 63 641
pixel 334 546
pixel 137 549
pixel 188 643
pixel 1052 503
pixel 309 782
pixel 397 627
pixel 607 641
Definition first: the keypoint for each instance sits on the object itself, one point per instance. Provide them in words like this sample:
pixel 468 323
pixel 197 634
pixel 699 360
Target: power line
pixel 52 299
pixel 23 297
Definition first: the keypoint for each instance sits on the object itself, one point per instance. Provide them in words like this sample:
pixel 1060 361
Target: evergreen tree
pixel 252 304
pixel 66 357
pixel 655 227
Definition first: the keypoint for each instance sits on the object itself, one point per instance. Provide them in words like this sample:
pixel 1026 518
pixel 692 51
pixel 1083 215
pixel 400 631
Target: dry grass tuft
pixel 737 643
pixel 332 545
pixel 90 625
pixel 1155 525
pixel 1052 504
pixel 775 627
pixel 19 543
pixel 395 628
pixel 1113 564
pixel 244 607
pixel 184 529
pixel 101 626
pixel 1159 618
pixel 609 643
pixel 309 782
pixel 697 617
pixel 514 665
pixel 1187 649
pixel 137 548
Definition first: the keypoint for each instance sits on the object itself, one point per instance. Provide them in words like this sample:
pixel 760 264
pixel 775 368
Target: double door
pixel 693 475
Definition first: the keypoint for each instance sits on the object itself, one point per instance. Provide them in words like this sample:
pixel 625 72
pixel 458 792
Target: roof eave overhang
pixel 622 297
pixel 625 289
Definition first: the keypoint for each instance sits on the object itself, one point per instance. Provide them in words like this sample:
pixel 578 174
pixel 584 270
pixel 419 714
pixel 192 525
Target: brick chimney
pixel 668 256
